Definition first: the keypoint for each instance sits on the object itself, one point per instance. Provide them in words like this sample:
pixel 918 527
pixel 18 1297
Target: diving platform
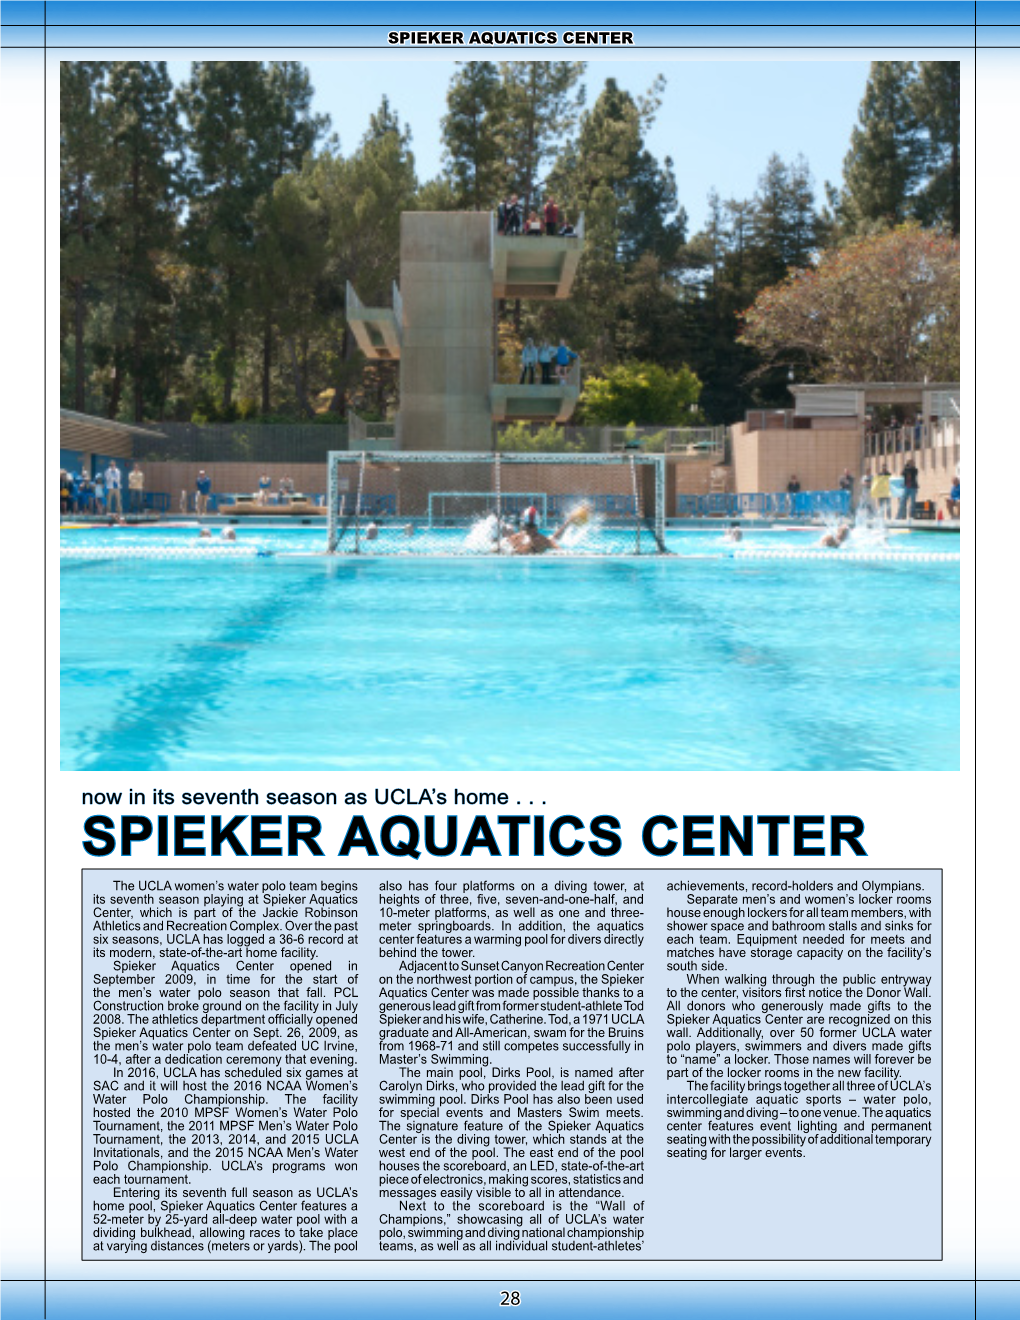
pixel 541 267
pixel 533 403
pixel 377 329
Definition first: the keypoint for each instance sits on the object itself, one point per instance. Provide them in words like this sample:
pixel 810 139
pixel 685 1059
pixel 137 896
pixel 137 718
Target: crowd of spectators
pixel 102 493
pixel 512 222
pixel 550 360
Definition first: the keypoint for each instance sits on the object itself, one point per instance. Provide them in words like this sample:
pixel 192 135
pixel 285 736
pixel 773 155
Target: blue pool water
pixel 177 659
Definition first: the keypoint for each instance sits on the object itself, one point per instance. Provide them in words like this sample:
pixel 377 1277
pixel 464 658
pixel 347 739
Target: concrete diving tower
pixel 454 268
pixel 527 266
pixel 378 330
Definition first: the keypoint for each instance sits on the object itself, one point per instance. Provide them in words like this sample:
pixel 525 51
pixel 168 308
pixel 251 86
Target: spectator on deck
pixel 265 486
pixel 909 497
pixel 846 482
pixel 534 226
pixel 112 479
pixel 567 230
pixel 881 492
pixel 203 485
pixel 953 498
pixel 136 489
pixel 792 490
pixel 551 215
pixel 546 354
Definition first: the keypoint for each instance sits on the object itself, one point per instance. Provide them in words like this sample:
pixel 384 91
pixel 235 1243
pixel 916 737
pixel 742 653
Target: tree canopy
pixel 635 393
pixel 883 308
pixel 208 232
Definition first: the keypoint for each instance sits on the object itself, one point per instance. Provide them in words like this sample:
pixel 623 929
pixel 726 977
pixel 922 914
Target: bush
pixel 521 437
pixel 642 394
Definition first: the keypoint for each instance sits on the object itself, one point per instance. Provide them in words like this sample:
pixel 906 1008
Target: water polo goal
pixel 430 503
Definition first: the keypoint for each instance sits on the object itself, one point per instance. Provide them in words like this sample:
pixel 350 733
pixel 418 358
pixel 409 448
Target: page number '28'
pixel 509 1298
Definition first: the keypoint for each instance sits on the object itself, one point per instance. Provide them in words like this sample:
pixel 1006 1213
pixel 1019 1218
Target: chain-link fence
pixel 241 442
pixel 684 441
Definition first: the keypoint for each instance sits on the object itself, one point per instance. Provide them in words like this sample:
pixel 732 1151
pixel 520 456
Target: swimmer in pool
pixel 835 539
pixel 734 532
pixel 229 534
pixel 372 532
pixel 530 541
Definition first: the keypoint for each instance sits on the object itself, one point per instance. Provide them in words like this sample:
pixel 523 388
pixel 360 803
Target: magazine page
pixel 508 832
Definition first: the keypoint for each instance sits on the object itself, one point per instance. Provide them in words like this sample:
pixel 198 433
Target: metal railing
pixel 912 439
pixel 363 434
pixel 688 441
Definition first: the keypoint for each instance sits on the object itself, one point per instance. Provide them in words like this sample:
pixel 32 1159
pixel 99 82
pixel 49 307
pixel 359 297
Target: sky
pixel 719 121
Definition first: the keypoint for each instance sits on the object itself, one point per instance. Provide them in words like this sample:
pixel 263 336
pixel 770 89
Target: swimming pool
pixel 243 659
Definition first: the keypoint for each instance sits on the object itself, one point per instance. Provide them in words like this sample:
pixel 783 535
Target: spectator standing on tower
pixel 529 360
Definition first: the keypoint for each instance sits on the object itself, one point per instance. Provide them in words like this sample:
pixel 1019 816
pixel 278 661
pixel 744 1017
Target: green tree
pixel 542 100
pixel 142 205
pixel 360 199
pixel 886 157
pixel 631 218
pixel 246 124
pixel 474 126
pixel 290 258
pixel 85 163
pixel 881 308
pixel 936 101
pixel 785 226
pixel 641 393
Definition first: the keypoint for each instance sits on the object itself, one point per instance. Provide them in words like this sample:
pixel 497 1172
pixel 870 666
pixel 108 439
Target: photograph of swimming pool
pixel 266 654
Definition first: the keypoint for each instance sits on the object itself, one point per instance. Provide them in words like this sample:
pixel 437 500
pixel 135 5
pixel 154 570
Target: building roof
pixel 99 434
pixel 853 398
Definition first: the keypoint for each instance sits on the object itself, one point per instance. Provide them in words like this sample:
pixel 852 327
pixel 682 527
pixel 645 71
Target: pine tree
pixel 85 163
pixel 936 101
pixel 359 200
pixel 142 207
pixel 886 157
pixel 784 223
pixel 246 124
pixel 629 202
pixel 543 99
pixel 474 128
